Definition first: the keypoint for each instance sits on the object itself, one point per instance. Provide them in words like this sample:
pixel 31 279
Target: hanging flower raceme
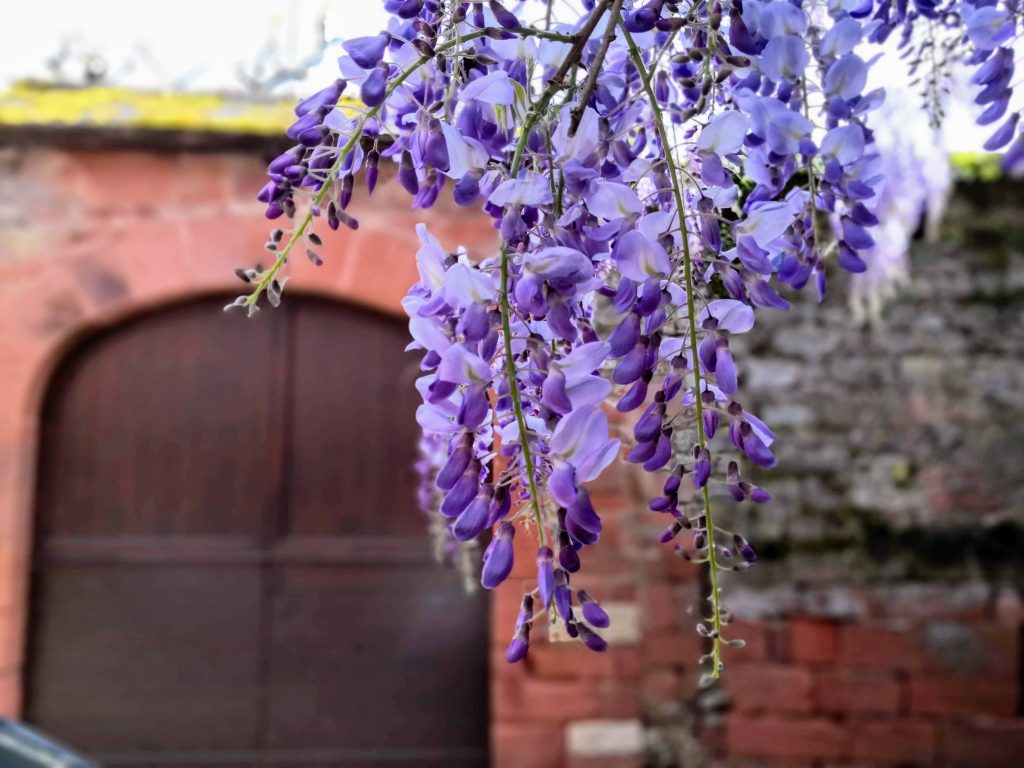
pixel 657 175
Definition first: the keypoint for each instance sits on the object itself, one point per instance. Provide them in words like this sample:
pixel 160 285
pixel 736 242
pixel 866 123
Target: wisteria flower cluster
pixel 659 174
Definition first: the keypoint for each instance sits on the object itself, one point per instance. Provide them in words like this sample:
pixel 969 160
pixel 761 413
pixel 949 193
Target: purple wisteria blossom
pixel 657 174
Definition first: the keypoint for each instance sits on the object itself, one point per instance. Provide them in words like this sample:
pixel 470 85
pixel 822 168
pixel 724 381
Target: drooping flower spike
pixel 657 175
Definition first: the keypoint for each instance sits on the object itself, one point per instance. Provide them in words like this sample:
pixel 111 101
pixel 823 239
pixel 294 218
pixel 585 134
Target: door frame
pixel 95 282
pixel 288 555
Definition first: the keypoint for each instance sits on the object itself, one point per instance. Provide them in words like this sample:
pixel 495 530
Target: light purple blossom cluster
pixel 993 29
pixel 658 172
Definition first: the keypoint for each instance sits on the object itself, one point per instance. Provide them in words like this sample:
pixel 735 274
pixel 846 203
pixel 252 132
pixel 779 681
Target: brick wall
pixel 883 621
pixel 91 237
pixel 885 613
pixel 564 706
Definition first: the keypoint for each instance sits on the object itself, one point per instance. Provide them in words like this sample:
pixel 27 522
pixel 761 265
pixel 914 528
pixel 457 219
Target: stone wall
pixel 885 615
pixel 883 621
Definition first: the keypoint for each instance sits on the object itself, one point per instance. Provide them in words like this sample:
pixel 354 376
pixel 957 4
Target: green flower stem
pixel 592 75
pixel 558 37
pixel 810 176
pixel 691 312
pixel 517 402
pixel 556 83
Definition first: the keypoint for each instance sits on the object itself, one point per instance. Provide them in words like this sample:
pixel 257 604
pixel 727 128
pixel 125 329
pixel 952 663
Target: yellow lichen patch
pixel 108 107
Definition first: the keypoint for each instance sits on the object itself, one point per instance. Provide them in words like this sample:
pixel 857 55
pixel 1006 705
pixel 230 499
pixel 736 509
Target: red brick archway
pixel 228 563
pixel 92 238
pixel 103 236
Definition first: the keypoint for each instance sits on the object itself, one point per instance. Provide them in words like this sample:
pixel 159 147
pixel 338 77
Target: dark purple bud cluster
pixel 306 164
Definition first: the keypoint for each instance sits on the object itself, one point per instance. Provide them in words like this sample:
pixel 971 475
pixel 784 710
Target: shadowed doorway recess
pixel 229 569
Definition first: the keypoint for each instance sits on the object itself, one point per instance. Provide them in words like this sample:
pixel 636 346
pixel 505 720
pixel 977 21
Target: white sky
pixel 194 44
pixel 201 44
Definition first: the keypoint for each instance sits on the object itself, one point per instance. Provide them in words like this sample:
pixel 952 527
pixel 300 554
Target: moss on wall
pixel 29 104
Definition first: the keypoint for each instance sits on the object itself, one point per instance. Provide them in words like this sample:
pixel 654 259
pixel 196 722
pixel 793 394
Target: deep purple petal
pixel 367 52
pixel 498 557
pixel 473 519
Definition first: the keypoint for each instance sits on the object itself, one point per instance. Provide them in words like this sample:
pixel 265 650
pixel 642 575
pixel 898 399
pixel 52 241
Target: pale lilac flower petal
pixel 766 222
pixel 492 88
pixel 611 200
pixel 724 133
pixel 639 258
pixel 733 316
pixel 531 189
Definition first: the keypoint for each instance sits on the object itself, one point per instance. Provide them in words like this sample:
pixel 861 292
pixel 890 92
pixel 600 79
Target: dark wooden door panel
pixel 376 657
pixel 168 425
pixel 353 425
pixel 160 465
pixel 462 757
pixel 147 658
pixel 230 570
pixel 301 758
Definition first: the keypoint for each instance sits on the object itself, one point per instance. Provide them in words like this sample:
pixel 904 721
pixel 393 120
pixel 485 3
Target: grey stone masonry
pixel 900 439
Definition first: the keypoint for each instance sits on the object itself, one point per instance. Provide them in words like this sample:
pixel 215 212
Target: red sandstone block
pixel 898 742
pixel 10 694
pixel 616 517
pixel 982 741
pixel 500 668
pixel 574 661
pixel 171 259
pixel 770 688
pixel 679 649
pixel 812 641
pixel 662 685
pixel 527 745
pixel 559 701
pixel 665 605
pixel 857 691
pixel 205 180
pixel 606 762
pixel 673 555
pixel 868 645
pixel 613 556
pixel 12 633
pixel 524 548
pixel 617 508
pixel 383 280
pixel 614 481
pixel 980 649
pixel 607 587
pixel 220 242
pixel 14 568
pixel 993 649
pixel 785 739
pixel 245 173
pixel 138 181
pixel 674 566
pixel 964 695
pixel 756 635
pixel 647 485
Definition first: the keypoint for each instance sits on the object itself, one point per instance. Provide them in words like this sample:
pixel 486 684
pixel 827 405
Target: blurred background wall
pixel 883 622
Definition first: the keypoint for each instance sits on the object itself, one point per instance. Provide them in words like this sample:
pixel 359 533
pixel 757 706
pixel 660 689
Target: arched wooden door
pixel 230 569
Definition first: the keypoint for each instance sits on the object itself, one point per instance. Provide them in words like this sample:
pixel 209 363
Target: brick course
pixel 873 659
